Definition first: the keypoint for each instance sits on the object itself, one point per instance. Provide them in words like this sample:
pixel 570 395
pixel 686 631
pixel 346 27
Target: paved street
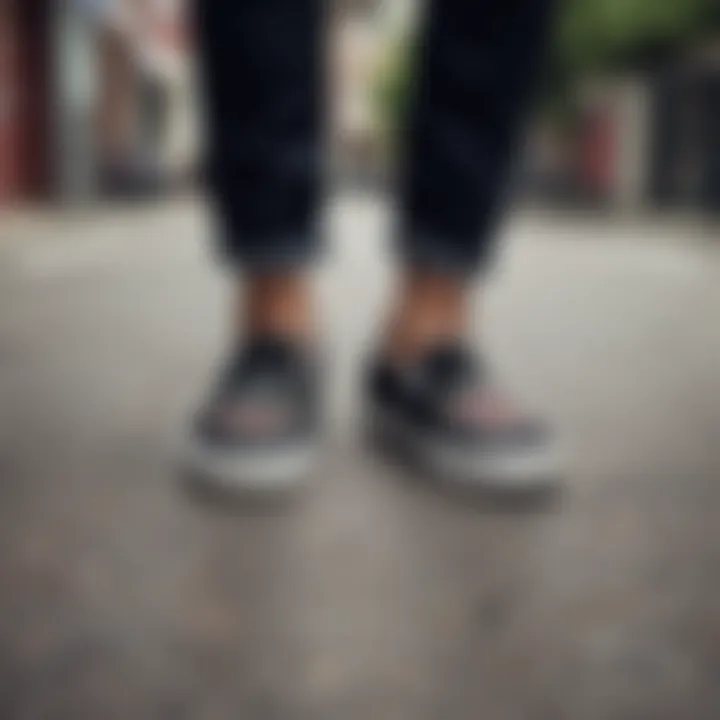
pixel 125 596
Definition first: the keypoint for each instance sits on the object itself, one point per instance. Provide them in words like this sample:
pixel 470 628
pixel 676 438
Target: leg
pixel 477 65
pixel 261 62
pixel 478 62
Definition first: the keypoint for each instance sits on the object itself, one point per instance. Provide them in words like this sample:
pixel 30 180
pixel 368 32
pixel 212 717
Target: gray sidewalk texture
pixel 124 595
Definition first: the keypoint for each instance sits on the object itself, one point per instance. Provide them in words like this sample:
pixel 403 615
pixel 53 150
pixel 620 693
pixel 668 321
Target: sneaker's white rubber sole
pixel 532 470
pixel 257 471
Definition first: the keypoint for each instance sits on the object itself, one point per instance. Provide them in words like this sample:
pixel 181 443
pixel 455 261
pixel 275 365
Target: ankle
pixel 276 304
pixel 431 309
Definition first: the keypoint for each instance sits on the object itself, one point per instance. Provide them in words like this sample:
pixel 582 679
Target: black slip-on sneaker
pixel 259 430
pixel 444 414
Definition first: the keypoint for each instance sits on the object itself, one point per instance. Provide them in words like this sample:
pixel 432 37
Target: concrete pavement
pixel 124 596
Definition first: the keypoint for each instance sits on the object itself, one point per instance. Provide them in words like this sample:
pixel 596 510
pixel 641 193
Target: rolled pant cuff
pixel 273 254
pixel 436 254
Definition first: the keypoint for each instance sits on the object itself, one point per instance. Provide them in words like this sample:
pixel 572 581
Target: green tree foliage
pixel 597 37
pixel 600 35
pixel 392 89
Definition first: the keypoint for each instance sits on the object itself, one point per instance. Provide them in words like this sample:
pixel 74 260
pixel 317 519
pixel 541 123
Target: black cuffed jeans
pixel 263 68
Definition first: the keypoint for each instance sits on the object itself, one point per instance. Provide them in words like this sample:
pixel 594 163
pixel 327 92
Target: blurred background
pixel 125 595
pixel 98 100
